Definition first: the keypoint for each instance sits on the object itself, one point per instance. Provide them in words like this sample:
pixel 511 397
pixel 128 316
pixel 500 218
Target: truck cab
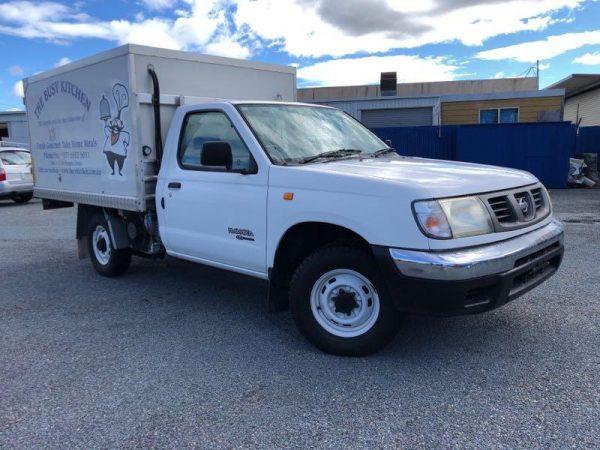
pixel 345 230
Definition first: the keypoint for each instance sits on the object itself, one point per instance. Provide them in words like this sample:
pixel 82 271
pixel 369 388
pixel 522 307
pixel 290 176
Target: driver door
pixel 213 215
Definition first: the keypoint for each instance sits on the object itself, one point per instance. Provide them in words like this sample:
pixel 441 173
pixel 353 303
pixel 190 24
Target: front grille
pixel 502 209
pixel 517 208
pixel 538 198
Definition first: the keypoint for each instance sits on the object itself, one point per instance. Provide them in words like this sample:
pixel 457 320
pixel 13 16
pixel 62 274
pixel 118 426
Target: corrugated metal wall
pixel 16 123
pixel 540 148
pixel 589 108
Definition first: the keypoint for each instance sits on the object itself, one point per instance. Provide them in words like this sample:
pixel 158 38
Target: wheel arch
pixel 116 225
pixel 295 244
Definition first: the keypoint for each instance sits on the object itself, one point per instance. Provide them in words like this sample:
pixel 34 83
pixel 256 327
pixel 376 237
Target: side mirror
pixel 216 154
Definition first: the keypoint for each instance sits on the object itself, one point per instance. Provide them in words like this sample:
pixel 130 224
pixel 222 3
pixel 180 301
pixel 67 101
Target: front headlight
pixel 453 217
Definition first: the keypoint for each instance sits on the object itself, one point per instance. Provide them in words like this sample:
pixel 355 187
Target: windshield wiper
pixel 383 151
pixel 331 154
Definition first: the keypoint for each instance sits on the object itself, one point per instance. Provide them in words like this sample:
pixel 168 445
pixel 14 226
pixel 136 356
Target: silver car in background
pixel 16 181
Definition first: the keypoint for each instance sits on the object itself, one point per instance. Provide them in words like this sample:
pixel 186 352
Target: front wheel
pixel 107 261
pixel 340 304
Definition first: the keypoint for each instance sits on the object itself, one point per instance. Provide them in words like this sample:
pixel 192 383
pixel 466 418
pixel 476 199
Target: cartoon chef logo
pixel 117 139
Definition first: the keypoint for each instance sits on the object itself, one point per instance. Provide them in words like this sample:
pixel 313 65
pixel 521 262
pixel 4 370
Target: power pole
pixel 537 73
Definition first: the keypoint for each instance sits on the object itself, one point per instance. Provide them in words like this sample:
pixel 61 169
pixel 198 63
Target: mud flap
pixel 277 296
pixel 82 249
pixel 118 231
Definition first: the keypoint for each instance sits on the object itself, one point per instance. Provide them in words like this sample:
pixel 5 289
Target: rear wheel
pixel 107 261
pixel 21 198
pixel 340 304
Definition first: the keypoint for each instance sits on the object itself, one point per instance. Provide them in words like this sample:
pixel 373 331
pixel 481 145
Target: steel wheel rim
pixel 101 245
pixel 344 303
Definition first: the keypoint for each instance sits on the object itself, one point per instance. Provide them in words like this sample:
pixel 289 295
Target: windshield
pixel 15 157
pixel 294 133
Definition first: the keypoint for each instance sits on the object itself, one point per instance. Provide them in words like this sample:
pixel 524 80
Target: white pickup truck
pixel 347 233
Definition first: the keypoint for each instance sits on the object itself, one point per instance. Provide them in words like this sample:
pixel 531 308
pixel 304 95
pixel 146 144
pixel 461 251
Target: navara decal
pixel 241 234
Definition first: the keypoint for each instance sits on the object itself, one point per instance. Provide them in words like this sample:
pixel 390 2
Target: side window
pixel 488 116
pixel 509 115
pixel 211 126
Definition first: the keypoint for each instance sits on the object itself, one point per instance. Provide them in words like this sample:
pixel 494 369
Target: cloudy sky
pixel 332 42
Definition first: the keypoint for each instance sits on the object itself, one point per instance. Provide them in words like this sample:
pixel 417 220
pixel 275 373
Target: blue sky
pixel 332 42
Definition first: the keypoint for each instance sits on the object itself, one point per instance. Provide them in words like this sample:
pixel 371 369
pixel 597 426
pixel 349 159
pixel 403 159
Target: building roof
pixel 452 97
pixel 577 83
pixel 421 89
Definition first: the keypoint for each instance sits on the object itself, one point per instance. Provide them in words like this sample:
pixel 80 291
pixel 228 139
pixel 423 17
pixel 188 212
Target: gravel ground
pixel 179 355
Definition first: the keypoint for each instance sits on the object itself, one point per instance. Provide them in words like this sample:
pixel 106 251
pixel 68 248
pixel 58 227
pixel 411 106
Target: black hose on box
pixel 156 106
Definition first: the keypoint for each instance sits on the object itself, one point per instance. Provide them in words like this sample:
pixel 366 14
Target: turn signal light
pixel 288 196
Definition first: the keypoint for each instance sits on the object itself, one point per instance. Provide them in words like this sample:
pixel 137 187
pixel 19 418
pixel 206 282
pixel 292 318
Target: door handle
pixel 174 185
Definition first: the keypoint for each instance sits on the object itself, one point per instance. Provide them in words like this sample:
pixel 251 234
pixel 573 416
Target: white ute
pixel 349 234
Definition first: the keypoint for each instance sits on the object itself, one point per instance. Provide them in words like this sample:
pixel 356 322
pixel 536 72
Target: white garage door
pixel 399 117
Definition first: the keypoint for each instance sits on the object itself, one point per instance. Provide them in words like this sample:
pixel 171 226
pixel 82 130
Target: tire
pixel 340 303
pixel 107 261
pixel 21 198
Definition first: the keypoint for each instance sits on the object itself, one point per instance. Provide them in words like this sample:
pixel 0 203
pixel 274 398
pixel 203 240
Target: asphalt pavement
pixel 179 355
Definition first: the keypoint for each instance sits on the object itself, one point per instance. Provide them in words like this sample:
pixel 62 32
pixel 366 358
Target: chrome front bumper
pixel 480 261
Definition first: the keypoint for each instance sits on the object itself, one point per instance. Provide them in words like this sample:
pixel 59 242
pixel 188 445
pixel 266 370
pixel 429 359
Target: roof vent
pixel 388 83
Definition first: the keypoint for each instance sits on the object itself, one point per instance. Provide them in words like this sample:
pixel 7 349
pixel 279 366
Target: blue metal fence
pixel 588 140
pixel 425 142
pixel 540 148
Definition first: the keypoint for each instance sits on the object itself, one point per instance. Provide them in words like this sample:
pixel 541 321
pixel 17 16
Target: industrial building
pixel 13 128
pixel 507 100
pixel 390 104
pixel 582 98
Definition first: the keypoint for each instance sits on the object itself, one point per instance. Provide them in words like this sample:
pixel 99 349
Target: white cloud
pixel 194 28
pixel 312 28
pixel 366 70
pixel 544 66
pixel 153 32
pixel 62 61
pixel 306 28
pixel 228 47
pixel 15 71
pixel 588 59
pixel 158 4
pixel 18 89
pixel 547 48
pixel 21 12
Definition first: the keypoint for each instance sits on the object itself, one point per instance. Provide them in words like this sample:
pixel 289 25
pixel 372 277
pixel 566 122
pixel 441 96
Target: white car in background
pixel 16 181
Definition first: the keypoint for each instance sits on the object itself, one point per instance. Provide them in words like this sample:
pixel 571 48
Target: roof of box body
pixel 161 53
pixel 578 83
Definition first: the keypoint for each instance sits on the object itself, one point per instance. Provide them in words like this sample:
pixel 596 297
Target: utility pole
pixel 537 73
